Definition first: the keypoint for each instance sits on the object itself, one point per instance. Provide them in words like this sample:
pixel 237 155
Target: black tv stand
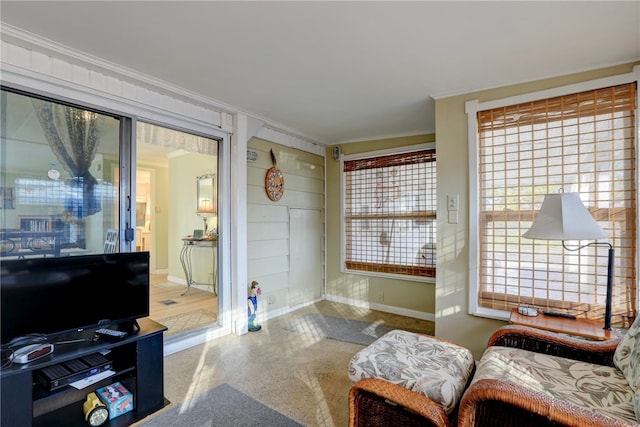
pixel 137 361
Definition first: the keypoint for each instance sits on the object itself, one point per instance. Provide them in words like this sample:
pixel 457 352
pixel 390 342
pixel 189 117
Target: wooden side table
pixel 579 327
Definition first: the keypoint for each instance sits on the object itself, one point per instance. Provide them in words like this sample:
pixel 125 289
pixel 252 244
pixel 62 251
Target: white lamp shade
pixel 206 208
pixel 563 216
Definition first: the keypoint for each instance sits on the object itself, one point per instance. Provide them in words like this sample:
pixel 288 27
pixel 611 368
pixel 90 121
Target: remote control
pixel 111 333
pixel 556 314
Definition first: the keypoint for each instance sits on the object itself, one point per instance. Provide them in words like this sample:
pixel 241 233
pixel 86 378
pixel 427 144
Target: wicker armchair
pixel 377 402
pixel 493 401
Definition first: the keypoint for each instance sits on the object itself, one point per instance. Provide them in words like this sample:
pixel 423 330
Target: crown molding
pixel 25 39
pixel 15 36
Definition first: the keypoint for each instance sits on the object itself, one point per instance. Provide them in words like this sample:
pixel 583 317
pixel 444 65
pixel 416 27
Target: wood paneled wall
pixel 268 222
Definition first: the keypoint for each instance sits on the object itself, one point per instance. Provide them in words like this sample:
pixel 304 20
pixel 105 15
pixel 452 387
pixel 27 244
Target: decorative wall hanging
pixel 274 181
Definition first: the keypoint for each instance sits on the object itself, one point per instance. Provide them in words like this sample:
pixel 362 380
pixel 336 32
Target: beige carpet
pixel 303 376
pixel 188 321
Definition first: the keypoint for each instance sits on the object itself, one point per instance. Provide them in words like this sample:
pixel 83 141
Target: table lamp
pixel 206 209
pixel 563 216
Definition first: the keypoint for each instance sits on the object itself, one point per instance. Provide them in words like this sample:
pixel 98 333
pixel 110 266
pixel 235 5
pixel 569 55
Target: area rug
pixel 222 406
pixel 338 328
pixel 188 321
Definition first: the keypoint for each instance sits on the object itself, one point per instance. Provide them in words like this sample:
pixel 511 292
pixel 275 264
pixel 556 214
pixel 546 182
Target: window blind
pixel 584 143
pixel 389 213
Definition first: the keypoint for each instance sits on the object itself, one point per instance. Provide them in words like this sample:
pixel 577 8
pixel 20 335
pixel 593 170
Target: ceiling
pixel 336 72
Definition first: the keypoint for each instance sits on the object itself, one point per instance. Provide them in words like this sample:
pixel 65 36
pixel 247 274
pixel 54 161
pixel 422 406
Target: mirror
pixel 207 204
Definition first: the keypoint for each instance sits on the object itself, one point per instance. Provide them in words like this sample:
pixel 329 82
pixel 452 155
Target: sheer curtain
pixel 73 135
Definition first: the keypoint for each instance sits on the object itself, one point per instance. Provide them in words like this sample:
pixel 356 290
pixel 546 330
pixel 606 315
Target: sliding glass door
pixel 56 177
pixel 73 183
pixel 176 221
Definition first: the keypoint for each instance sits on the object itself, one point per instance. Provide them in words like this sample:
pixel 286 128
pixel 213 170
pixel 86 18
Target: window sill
pixel 490 313
pixel 431 280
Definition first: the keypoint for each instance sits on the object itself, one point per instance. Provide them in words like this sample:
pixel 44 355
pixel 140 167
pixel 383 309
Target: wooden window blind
pixel 584 143
pixel 390 212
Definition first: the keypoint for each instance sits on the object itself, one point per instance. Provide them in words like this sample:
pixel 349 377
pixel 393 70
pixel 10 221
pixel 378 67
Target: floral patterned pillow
pixel 636 404
pixel 437 369
pixel 627 356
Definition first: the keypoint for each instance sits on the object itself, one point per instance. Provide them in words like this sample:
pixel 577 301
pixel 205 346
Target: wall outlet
pixel 380 296
pixel 452 202
pixel 271 299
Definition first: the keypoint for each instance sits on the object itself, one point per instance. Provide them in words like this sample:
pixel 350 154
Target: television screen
pixel 51 296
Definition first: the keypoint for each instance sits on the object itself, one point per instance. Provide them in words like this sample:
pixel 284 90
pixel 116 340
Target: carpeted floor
pixel 187 321
pixel 300 373
pixel 222 406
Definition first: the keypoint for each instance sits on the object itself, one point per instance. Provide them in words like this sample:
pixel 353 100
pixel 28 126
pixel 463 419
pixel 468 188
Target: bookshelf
pixel 37 224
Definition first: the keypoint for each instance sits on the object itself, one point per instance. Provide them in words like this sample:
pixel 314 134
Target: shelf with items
pixel 137 361
pixel 31 225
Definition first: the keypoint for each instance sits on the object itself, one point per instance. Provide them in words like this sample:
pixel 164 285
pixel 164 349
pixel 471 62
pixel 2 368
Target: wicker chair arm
pixel 404 399
pixel 540 341
pixel 489 402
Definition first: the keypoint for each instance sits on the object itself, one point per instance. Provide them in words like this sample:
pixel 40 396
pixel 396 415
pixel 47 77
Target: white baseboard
pixel 202 287
pixel 175 279
pixel 272 314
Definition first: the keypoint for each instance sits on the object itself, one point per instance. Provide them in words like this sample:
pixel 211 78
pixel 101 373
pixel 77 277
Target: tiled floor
pixel 300 374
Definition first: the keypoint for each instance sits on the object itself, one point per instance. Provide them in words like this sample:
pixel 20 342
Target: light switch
pixel 453 217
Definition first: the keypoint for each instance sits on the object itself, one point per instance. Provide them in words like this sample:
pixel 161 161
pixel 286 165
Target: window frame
pixel 472 107
pixel 365 155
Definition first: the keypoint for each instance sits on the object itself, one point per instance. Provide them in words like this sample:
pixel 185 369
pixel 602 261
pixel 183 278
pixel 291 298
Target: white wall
pixel 183 172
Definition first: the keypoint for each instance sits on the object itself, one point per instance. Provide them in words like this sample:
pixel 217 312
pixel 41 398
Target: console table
pixel 188 244
pixel 579 327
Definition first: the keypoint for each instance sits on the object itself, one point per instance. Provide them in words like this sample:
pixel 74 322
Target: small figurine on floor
pixel 253 306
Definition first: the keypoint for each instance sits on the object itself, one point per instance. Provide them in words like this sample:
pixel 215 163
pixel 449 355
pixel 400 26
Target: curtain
pixel 73 135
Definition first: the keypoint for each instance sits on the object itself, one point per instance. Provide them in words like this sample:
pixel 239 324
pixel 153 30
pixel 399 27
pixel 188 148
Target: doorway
pixel 168 164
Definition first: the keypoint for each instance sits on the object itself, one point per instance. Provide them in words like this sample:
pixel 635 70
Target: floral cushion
pixel 627 355
pixel 426 365
pixel 602 389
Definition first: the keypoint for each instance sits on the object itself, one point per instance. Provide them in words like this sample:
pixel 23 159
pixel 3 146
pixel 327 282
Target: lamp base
pixel 607 311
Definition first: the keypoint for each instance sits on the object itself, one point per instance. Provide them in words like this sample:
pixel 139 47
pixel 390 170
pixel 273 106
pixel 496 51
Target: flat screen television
pixel 54 296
